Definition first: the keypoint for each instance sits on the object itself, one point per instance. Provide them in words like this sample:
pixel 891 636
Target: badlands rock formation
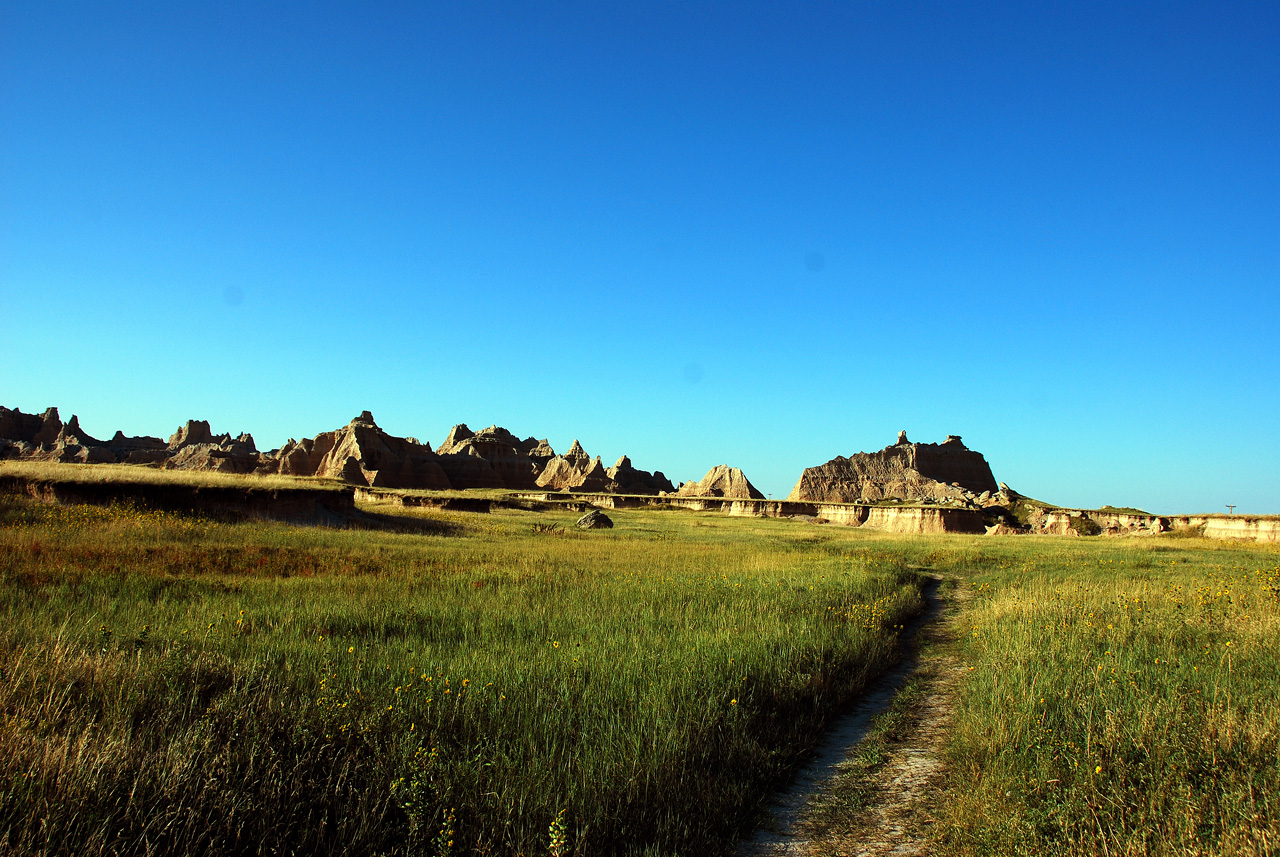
pixel 576 471
pixel 17 427
pixel 363 454
pixel 493 458
pixel 633 481
pixel 360 453
pixel 44 437
pixel 722 481
pixel 195 447
pixel 946 471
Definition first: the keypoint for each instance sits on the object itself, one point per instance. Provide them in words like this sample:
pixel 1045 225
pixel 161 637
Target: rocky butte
pixel 947 471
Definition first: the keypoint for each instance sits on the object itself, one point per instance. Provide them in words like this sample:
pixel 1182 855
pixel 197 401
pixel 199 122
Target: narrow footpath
pixel 837 807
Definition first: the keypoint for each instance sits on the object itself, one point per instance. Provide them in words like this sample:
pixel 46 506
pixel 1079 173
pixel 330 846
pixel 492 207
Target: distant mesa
pixel 947 471
pixel 722 481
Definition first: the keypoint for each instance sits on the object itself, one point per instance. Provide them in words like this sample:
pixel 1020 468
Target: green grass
pixel 176 685
pixel 506 684
pixel 1121 698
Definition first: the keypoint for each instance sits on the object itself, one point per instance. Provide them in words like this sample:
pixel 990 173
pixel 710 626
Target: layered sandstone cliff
pixel 906 471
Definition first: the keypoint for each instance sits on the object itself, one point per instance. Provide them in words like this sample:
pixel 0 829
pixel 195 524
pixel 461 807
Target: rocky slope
pixel 947 471
pixel 633 481
pixel 576 471
pixel 44 437
pixel 722 481
pixel 195 447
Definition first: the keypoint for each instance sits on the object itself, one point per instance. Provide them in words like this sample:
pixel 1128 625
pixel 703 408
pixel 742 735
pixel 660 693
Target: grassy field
pixel 505 684
pixel 1122 697
pixel 173 685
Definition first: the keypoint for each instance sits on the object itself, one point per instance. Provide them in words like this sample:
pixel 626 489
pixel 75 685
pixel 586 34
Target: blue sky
pixel 694 233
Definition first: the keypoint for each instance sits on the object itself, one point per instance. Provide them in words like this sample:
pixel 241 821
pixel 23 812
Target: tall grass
pixel 172 685
pixel 56 471
pixel 1121 698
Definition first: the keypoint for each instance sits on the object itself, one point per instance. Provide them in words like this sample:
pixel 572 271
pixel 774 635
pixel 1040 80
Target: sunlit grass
pixel 196 685
pixel 507 683
pixel 1122 698
pixel 54 471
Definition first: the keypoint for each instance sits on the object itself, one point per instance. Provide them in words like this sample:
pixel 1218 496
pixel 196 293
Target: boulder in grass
pixel 595 520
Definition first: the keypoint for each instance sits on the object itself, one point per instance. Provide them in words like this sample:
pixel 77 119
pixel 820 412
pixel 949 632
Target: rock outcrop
pixel 632 481
pixel 576 471
pixel 17 427
pixel 493 458
pixel 361 453
pixel 138 450
pixel 941 472
pixel 194 447
pixel 722 481
pixel 45 437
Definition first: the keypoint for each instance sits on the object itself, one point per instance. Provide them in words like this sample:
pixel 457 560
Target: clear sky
pixel 695 233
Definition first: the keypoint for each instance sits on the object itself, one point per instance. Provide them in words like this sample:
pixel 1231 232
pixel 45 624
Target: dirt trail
pixel 894 818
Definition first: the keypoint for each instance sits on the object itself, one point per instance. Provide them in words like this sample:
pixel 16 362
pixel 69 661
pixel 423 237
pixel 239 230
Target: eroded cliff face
pixel 195 447
pixel 1098 522
pixel 361 453
pixel 947 471
pixel 633 481
pixel 44 437
pixel 493 458
pixel 576 471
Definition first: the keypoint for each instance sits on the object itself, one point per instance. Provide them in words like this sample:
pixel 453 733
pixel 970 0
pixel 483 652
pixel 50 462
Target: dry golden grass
pixel 53 471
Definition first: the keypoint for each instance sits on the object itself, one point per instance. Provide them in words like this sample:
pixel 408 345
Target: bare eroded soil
pixel 874 798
